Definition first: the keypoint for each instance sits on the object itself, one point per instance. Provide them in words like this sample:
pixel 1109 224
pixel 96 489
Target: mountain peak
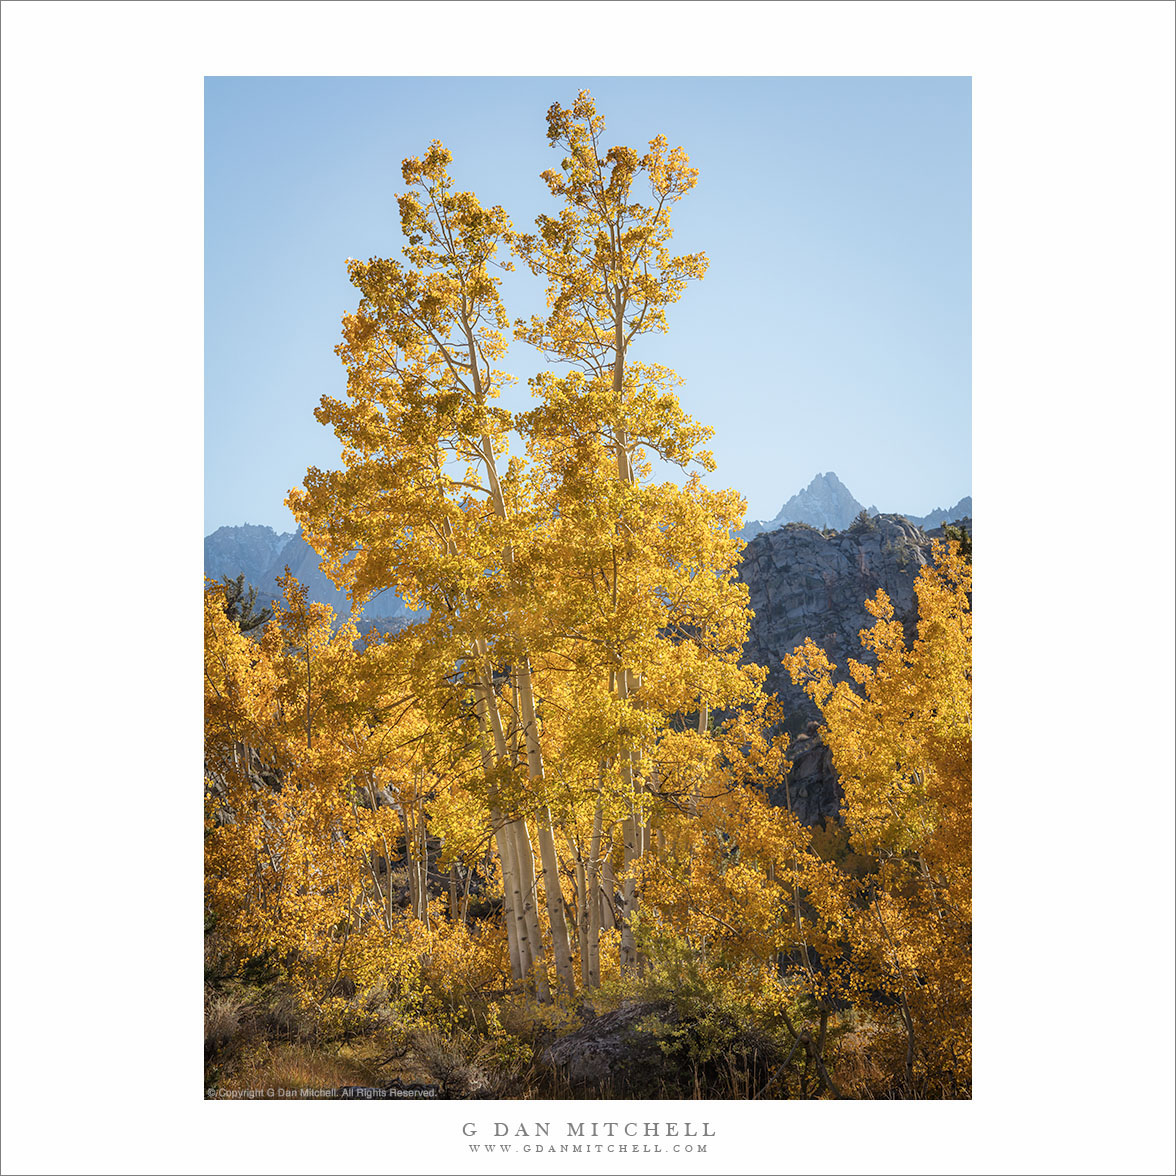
pixel 825 502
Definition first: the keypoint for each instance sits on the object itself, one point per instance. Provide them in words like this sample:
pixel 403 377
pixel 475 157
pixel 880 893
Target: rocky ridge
pixel 249 548
pixel 827 504
pixel 262 555
pixel 808 583
pixel 941 515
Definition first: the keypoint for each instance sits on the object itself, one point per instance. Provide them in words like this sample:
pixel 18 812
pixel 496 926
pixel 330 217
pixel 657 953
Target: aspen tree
pixel 420 352
pixel 571 570
pixel 610 277
pixel 288 852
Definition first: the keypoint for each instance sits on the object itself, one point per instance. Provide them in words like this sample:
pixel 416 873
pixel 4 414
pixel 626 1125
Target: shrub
pixel 223 1023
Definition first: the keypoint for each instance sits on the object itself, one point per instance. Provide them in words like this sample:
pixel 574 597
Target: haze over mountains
pixel 262 555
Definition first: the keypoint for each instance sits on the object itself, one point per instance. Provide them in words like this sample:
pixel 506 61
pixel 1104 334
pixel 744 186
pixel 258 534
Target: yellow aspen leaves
pixel 556 777
pixel 902 746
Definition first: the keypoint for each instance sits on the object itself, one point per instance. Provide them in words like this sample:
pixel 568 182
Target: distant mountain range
pixel 939 516
pixel 826 504
pixel 262 555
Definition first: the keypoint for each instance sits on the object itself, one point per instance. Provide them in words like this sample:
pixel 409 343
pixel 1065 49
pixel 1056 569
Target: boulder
pixel 610 1049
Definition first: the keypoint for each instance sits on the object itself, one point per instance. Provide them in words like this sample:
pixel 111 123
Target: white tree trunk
pixel 551 887
pixel 593 899
pixel 511 901
pixel 525 858
pixel 632 834
pixel 608 891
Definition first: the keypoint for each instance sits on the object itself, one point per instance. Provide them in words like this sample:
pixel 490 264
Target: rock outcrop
pixel 808 583
pixel 812 789
pixel 610 1047
pixel 669 1048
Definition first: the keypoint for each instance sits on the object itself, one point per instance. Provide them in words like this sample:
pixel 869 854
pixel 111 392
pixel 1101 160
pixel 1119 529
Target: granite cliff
pixel 808 583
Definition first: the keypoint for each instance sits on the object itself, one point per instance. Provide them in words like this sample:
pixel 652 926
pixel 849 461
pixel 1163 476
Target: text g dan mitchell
pixel 610 1129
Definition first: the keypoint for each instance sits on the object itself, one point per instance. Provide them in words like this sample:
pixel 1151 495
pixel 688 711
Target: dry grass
pixel 225 1025
pixel 867 1063
pixel 856 1065
pixel 297 1066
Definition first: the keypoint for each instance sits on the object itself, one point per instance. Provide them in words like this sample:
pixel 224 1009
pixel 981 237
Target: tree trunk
pixel 525 858
pixel 632 835
pixel 409 869
pixel 422 857
pixel 582 920
pixel 696 783
pixel 632 831
pixel 511 907
pixel 608 910
pixel 592 899
pixel 555 916
pixel 526 919
pixel 551 888
pixel 511 904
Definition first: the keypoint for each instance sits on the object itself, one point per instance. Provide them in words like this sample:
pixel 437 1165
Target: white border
pixel 102 306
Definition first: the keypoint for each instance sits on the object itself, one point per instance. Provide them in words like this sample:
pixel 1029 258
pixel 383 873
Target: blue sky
pixel 832 331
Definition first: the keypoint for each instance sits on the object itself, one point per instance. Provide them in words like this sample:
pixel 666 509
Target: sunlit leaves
pixel 902 745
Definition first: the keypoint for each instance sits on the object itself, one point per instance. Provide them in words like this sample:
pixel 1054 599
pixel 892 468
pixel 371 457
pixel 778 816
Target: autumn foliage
pixel 902 745
pixel 549 792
